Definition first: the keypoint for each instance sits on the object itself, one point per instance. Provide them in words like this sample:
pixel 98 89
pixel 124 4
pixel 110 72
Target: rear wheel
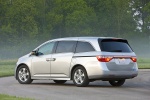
pixel 59 81
pixel 80 77
pixel 23 75
pixel 117 82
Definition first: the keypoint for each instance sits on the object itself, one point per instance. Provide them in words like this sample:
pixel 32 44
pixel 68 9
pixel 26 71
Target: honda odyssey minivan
pixel 81 59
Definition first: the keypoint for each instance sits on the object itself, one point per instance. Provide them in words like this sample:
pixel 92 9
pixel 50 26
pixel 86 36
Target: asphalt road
pixel 134 89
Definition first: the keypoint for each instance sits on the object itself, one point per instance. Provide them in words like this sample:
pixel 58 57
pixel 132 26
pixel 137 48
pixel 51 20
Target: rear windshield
pixel 114 45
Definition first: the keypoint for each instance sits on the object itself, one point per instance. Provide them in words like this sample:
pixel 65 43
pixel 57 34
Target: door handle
pixel 53 59
pixel 47 59
pixel 50 59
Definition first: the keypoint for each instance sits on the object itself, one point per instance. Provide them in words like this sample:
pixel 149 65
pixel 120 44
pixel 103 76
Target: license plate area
pixel 121 61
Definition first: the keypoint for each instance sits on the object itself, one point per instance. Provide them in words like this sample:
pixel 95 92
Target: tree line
pixel 30 22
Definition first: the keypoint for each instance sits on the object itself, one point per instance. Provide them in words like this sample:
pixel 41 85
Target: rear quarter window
pixel 84 47
pixel 114 45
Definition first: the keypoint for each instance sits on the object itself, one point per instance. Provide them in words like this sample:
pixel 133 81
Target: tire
pixel 23 75
pixel 117 82
pixel 59 81
pixel 80 77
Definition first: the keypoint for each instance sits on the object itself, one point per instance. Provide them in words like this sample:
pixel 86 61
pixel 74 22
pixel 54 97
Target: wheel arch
pixel 75 66
pixel 19 67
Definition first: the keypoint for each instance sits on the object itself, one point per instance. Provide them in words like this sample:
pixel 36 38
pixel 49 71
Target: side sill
pixel 47 78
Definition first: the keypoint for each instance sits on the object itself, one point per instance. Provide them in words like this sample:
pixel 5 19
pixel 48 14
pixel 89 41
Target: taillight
pixel 104 58
pixel 134 59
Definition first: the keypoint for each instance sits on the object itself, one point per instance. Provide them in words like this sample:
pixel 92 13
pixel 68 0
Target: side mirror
pixel 33 53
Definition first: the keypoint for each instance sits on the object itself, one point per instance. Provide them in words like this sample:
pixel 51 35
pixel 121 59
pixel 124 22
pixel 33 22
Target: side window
pixel 65 46
pixel 46 49
pixel 84 47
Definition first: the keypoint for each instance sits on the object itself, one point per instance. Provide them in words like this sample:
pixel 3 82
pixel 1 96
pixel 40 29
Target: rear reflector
pixel 104 59
pixel 134 59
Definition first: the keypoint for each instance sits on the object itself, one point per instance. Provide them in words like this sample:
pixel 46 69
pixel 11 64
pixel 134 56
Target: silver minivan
pixel 81 59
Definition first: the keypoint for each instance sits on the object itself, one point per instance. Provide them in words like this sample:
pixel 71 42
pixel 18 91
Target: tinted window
pixel 65 46
pixel 46 49
pixel 84 47
pixel 110 45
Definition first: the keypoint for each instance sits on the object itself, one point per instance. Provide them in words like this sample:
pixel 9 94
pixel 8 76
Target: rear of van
pixel 117 58
pixel 106 59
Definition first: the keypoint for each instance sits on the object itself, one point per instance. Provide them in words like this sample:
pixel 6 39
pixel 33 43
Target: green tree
pixel 21 17
pixel 114 17
pixel 70 18
pixel 5 29
pixel 141 15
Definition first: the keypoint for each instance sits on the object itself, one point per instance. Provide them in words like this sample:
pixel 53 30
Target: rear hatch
pixel 117 54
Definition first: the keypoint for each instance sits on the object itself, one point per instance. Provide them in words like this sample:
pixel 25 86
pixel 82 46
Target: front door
pixel 41 62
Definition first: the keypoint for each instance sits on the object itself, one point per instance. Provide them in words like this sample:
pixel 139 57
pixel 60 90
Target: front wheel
pixel 117 82
pixel 80 77
pixel 23 75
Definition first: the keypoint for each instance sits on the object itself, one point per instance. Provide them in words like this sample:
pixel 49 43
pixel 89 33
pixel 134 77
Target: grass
pixel 144 63
pixel 7 67
pixel 7 97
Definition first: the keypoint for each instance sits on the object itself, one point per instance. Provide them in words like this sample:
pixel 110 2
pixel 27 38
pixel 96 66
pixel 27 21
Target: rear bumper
pixel 101 71
pixel 108 75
